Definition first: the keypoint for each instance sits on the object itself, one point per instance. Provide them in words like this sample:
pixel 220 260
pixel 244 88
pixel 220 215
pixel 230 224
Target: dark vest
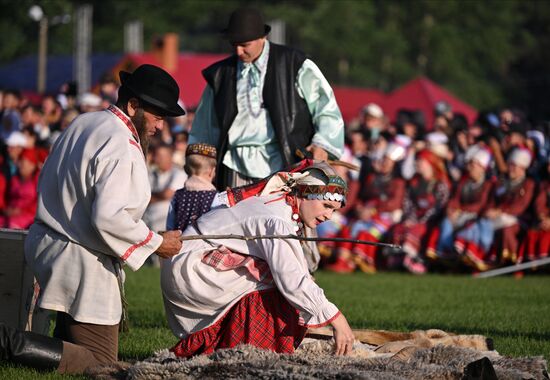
pixel 288 112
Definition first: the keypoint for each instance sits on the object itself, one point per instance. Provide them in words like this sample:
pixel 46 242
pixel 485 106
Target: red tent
pixel 351 100
pixel 422 94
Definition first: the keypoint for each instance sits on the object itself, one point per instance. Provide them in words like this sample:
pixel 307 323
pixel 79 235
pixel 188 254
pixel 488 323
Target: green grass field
pixel 514 312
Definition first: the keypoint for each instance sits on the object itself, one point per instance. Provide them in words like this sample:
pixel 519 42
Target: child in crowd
pixel 198 192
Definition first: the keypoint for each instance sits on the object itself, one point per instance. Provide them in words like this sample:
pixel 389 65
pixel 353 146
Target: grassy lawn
pixel 515 313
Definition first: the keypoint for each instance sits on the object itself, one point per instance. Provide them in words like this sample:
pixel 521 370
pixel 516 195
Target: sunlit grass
pixel 515 313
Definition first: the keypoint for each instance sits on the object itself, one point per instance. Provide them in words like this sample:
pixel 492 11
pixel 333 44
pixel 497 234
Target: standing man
pixel 263 103
pixel 93 191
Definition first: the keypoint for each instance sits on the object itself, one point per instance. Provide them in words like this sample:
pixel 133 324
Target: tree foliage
pixel 490 53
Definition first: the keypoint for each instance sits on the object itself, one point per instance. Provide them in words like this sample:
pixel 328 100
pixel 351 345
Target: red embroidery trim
pixel 134 143
pixel 324 323
pixel 115 111
pixel 136 246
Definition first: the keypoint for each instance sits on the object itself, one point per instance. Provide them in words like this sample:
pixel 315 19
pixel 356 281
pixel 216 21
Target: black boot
pixel 29 349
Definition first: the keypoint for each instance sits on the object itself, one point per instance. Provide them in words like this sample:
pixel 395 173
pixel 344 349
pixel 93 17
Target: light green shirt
pixel 253 149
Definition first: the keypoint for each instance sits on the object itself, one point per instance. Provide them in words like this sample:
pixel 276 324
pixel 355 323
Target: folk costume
pixel 537 242
pixel 257 114
pixel 422 206
pixel 196 196
pixel 512 198
pixel 384 194
pixel 468 234
pixel 221 293
pixel 21 196
pixel 93 190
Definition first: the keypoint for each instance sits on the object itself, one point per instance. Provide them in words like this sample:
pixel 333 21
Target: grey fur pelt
pixel 314 361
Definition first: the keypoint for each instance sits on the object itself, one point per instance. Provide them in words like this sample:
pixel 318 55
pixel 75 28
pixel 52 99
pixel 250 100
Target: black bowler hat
pixel 154 86
pixel 246 24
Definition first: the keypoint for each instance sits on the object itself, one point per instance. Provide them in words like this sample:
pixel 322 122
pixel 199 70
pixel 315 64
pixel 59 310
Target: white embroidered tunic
pixel 93 191
pixel 196 295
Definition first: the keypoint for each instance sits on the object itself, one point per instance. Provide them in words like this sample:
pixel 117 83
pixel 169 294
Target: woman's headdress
pixel 307 179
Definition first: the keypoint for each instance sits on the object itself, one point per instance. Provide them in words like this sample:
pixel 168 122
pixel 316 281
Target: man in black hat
pixel 262 104
pixel 93 190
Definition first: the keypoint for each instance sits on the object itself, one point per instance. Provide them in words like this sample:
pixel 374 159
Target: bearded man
pixel 93 190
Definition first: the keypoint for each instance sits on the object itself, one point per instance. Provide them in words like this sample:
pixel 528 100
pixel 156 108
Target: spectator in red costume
pixel 463 231
pixel 22 193
pixel 512 196
pixel 537 243
pixel 427 195
pixel 379 206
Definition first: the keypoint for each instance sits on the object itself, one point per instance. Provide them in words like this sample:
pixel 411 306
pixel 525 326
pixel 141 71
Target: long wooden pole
pixel 293 237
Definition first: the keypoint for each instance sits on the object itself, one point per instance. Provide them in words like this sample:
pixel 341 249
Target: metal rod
pixel 513 268
pixel 294 237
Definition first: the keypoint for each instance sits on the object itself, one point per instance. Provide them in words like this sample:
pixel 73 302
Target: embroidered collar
pixel 125 119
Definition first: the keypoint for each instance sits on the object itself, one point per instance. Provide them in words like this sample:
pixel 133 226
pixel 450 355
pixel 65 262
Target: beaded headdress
pixel 308 179
pixel 316 181
pixel 202 149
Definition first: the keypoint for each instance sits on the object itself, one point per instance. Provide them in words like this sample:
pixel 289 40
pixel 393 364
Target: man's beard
pixel 139 123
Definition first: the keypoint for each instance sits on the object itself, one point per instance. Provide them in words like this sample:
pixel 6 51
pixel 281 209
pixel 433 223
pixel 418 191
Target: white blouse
pixel 196 295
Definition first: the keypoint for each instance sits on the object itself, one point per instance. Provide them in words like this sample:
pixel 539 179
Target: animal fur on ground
pixel 314 360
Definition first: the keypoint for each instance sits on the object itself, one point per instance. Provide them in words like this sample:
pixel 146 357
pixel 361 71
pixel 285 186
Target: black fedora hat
pixel 154 86
pixel 246 24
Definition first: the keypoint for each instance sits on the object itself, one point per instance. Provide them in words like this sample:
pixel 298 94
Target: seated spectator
pixel 22 193
pixel 343 216
pixel 511 198
pixel 11 118
pixel 15 143
pixel 427 195
pixel 180 148
pixel 165 179
pixel 33 119
pixel 463 231
pixel 537 242
pixel 198 192
pixel 89 102
pixel 443 115
pixel 372 120
pixel 3 186
pixel 52 111
pixel 379 206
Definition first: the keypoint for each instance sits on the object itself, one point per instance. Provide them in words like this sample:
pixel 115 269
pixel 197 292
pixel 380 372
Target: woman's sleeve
pixel 289 270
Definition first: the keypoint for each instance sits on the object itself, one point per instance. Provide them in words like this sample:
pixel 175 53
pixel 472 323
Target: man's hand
pixel 343 336
pixel 171 244
pixel 317 152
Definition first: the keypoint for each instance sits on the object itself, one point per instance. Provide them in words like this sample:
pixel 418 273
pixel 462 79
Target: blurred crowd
pixel 455 195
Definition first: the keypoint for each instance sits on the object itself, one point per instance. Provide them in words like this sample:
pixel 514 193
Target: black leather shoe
pixel 29 349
